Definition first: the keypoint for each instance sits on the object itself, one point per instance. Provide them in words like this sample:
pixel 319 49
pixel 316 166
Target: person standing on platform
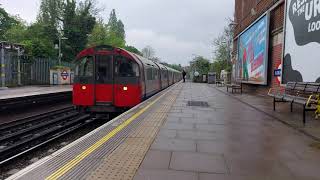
pixel 184 75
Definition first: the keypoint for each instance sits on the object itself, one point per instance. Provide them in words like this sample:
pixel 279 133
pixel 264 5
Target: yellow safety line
pixel 71 164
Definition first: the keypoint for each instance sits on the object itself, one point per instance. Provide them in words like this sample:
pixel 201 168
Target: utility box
pixel 212 78
pixel 61 76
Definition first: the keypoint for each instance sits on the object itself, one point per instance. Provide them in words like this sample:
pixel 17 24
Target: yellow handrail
pixel 309 99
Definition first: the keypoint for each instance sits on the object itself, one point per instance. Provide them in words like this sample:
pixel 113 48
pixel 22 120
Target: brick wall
pixel 244 18
pixel 244 9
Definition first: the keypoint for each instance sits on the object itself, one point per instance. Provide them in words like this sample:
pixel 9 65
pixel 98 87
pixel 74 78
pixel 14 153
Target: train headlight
pixel 84 87
pixel 125 88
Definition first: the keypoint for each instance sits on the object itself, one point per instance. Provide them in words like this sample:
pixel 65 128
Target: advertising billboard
pixel 253 52
pixel 301 60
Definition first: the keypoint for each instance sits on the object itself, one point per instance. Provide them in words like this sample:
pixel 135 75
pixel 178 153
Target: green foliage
pixel 6 22
pixel 78 23
pixel 200 64
pixel 133 50
pixel 222 52
pixel 116 32
pixel 16 33
pixel 99 35
pixel 50 16
pixel 112 33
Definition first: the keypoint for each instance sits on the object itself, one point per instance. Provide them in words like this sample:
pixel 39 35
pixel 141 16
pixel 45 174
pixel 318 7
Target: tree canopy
pixel 75 23
pixel 222 51
pixel 6 22
pixel 112 33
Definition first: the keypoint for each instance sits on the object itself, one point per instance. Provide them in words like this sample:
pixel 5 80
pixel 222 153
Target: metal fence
pixel 22 70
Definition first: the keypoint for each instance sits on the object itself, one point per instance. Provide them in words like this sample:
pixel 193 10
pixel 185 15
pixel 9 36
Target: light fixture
pixel 125 88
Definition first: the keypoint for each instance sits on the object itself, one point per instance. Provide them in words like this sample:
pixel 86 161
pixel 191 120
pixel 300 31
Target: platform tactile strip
pixel 124 161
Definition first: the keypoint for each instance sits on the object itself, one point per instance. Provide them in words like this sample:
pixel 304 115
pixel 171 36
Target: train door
pixel 104 93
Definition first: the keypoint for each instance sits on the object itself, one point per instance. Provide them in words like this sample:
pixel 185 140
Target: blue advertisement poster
pixel 253 53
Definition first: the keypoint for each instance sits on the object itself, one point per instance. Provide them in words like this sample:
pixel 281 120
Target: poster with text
pixel 301 60
pixel 253 52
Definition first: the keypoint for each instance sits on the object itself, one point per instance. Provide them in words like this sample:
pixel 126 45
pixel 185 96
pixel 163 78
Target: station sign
pixel 64 75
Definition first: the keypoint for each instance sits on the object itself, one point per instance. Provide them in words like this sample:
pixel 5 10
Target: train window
pixel 103 68
pixel 85 67
pixel 156 74
pixel 149 74
pixel 125 67
pixel 164 74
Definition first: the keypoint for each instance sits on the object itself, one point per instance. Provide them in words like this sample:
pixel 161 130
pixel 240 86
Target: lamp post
pixel 59 47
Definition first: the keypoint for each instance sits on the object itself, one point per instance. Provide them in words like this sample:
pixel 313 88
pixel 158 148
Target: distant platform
pixel 26 91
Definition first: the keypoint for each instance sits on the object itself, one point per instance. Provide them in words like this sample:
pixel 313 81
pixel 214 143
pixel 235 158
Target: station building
pixel 276 41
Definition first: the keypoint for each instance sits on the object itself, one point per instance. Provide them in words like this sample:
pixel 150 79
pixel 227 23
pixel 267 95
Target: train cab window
pixel 103 68
pixel 125 67
pixel 84 67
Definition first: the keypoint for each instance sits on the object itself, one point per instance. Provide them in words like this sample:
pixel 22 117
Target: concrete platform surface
pixel 264 103
pixel 229 140
pixel 32 91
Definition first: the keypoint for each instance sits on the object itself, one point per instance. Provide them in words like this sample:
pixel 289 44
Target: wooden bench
pixel 301 93
pixel 219 82
pixel 235 86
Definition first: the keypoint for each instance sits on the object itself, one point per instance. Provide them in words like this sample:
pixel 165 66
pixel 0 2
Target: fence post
pixel 3 68
pixel 19 67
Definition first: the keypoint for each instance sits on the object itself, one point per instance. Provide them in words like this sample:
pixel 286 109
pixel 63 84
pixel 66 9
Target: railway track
pixel 27 134
pixel 23 102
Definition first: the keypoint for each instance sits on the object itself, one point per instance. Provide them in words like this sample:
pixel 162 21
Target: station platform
pixel 188 132
pixel 26 91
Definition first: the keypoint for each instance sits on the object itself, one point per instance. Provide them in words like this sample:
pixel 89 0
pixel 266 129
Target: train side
pixel 110 79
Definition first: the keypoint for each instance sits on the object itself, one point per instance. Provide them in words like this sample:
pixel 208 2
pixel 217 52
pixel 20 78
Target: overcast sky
pixel 176 29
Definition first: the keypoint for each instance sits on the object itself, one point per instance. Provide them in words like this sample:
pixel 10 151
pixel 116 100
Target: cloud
pixel 167 47
pixel 175 29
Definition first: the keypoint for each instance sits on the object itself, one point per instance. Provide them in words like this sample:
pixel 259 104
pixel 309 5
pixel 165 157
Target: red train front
pixel 109 79
pixel 106 79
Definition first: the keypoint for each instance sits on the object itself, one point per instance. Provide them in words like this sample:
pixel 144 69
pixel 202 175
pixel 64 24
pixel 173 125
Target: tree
pixel 148 52
pixel 77 24
pixel 116 32
pixel 99 34
pixel 16 33
pixel 222 51
pixel 6 22
pixel 200 64
pixel 133 50
pixel 50 15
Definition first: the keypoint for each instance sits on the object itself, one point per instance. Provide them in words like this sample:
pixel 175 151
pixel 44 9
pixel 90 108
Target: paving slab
pixel 198 162
pixel 156 160
pixel 148 174
pixel 168 144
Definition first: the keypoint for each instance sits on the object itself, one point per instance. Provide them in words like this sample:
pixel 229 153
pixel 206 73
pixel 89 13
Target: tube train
pixel 110 79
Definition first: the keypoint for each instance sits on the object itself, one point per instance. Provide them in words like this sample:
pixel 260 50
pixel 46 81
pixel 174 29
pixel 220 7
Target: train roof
pixel 92 50
pixel 171 69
